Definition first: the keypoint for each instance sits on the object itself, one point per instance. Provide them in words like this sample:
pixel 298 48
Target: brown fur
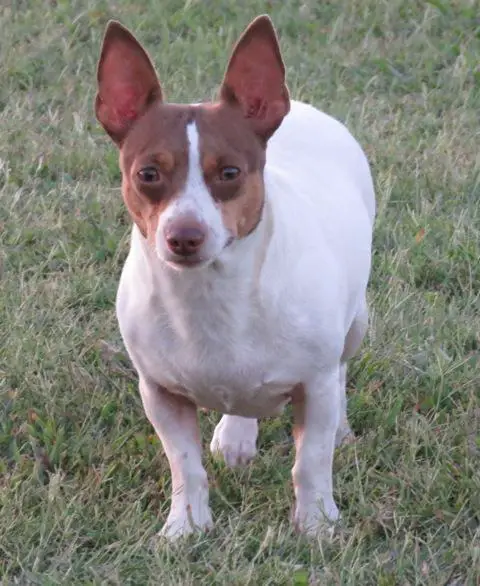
pixel 242 214
pixel 225 140
pixel 158 139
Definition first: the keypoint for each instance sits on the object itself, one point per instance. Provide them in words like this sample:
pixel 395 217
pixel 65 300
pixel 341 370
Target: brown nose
pixel 185 238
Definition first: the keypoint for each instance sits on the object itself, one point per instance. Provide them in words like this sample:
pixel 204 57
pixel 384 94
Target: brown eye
pixel 149 174
pixel 228 173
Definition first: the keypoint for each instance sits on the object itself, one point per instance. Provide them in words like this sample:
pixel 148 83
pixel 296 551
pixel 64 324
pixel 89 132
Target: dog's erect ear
pixel 255 78
pixel 127 82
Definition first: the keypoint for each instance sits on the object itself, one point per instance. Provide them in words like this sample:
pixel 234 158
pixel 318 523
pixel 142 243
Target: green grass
pixel 84 484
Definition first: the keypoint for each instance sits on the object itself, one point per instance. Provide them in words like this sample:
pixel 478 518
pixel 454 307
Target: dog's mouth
pixel 180 263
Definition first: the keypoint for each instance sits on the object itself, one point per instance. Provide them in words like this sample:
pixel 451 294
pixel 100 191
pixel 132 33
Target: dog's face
pixel 192 176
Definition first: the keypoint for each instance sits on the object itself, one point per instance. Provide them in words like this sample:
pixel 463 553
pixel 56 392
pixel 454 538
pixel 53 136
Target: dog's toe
pixel 313 520
pixel 238 455
pixel 181 524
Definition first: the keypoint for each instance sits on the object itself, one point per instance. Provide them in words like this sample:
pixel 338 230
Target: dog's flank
pixel 245 285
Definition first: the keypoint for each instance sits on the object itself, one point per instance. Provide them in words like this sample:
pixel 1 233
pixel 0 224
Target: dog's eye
pixel 229 173
pixel 149 174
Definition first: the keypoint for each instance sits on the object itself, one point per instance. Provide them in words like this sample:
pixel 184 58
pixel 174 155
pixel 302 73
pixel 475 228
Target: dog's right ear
pixel 127 82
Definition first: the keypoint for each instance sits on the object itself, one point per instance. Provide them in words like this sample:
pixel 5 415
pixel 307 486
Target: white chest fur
pixel 214 337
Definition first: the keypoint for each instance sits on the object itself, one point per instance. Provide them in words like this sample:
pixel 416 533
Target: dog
pixel 245 284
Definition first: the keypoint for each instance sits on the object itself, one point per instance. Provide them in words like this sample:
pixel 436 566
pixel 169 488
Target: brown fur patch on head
pixel 225 140
pixel 158 140
pixel 242 214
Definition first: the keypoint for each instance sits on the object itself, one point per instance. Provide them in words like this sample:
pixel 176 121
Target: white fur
pixel 282 307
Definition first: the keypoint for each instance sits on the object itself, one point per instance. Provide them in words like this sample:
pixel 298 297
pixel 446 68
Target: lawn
pixel 84 485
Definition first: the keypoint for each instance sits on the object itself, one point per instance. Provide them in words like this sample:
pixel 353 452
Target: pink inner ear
pixel 256 79
pixel 125 93
pixel 263 100
pixel 127 84
pixel 127 100
pixel 256 107
pixel 124 109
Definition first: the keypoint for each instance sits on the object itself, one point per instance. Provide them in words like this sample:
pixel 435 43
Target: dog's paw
pixel 235 438
pixel 184 521
pixel 316 518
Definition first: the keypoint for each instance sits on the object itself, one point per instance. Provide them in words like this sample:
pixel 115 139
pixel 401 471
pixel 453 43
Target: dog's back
pixel 319 188
pixel 316 148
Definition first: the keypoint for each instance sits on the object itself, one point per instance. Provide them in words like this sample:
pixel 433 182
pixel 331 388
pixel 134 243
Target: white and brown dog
pixel 245 285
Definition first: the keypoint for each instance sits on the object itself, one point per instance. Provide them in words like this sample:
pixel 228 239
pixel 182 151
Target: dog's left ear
pixel 255 78
pixel 127 81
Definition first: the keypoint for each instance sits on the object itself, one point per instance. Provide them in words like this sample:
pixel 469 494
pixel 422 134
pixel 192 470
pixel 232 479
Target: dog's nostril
pixel 185 240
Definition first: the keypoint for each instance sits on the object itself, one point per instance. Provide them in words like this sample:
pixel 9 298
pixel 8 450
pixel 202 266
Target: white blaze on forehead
pixel 196 196
pixel 195 174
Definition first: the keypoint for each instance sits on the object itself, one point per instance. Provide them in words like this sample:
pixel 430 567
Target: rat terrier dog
pixel 245 285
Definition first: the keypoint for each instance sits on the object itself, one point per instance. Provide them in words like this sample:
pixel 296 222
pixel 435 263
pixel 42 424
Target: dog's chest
pixel 241 362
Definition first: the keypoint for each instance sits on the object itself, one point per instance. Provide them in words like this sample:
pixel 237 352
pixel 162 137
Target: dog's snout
pixel 184 238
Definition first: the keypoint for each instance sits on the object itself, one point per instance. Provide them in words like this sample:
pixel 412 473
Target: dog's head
pixel 192 175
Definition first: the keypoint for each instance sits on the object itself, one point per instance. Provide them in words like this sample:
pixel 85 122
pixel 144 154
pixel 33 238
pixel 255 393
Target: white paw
pixel 316 517
pixel 183 521
pixel 235 438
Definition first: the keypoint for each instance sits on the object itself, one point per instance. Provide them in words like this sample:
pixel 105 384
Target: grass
pixel 84 484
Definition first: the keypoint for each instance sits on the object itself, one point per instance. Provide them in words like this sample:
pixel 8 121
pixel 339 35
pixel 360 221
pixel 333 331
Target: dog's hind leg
pixel 353 340
pixel 344 433
pixel 235 438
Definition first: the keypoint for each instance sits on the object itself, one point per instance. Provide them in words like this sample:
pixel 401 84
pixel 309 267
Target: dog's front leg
pixel 175 421
pixel 316 416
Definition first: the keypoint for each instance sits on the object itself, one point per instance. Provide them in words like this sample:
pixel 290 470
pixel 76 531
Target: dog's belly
pixel 248 389
pixel 264 400
pixel 216 360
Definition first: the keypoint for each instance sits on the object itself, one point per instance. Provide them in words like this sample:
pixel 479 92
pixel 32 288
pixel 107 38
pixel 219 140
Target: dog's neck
pixel 222 298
